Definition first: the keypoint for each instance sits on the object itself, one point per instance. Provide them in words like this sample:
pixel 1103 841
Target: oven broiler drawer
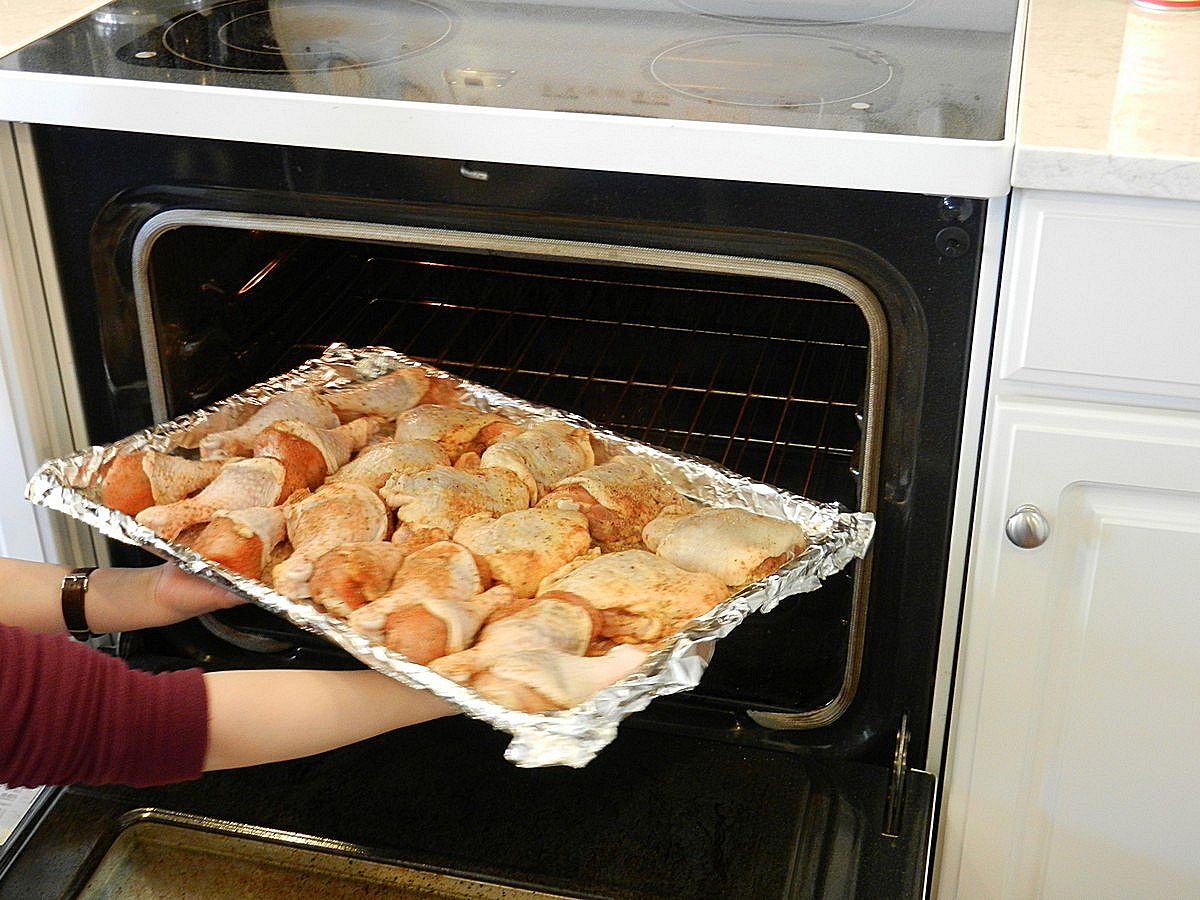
pixel 654 816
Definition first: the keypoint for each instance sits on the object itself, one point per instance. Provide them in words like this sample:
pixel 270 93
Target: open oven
pixel 813 338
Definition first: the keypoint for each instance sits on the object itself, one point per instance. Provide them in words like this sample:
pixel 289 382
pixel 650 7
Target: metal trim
pixel 585 251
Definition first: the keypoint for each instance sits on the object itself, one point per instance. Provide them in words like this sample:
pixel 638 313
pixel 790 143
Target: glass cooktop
pixel 936 68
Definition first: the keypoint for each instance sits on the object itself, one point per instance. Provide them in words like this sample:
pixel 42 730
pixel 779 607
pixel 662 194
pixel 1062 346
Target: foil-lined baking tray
pixel 563 737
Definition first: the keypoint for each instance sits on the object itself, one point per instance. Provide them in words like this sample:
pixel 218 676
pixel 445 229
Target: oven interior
pixel 764 376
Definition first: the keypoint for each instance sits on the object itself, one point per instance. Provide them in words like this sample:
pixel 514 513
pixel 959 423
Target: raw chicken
pixel 543 455
pixel 335 514
pixel 298 404
pixel 435 605
pixel 145 478
pixel 459 429
pixel 523 547
pixel 352 575
pixel 241 540
pixel 441 497
pixel 311 454
pixel 374 465
pixel 541 680
pixel 735 545
pixel 565 626
pixel 240 484
pixel 387 396
pixel 642 597
pixel 618 497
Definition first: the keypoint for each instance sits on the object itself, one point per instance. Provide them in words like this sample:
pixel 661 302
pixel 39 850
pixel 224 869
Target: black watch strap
pixel 74 589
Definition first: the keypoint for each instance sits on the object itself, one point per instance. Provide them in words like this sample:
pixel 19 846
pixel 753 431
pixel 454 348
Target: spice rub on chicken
pixel 734 545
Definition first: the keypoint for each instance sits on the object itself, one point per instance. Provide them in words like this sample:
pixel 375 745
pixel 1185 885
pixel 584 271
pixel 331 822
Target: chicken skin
pixel 144 478
pixel 335 514
pixel 441 497
pixel 376 464
pixel 240 485
pixel 303 405
pixel 542 455
pixel 618 498
pixel 242 540
pixel 523 547
pixel 458 429
pixel 735 545
pixel 352 575
pixel 311 454
pixel 642 597
pixel 542 680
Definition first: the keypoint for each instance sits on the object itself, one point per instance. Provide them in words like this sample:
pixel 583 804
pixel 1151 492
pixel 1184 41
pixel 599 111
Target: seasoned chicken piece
pixel 387 396
pixel 435 604
pixel 441 497
pixel 564 626
pixel 242 540
pixel 541 680
pixel 134 481
pixel 735 545
pixel 335 514
pixel 240 485
pixel 542 455
pixel 374 465
pixel 459 429
pixel 310 454
pixel 298 404
pixel 523 547
pixel 642 597
pixel 352 575
pixel 618 497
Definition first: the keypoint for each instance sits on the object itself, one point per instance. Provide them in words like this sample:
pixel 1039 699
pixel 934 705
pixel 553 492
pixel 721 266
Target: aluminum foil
pixel 569 737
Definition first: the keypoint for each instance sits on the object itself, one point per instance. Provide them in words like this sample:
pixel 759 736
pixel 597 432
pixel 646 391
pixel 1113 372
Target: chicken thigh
pixel 352 575
pixel 735 545
pixel 441 497
pixel 618 497
pixel 523 547
pixel 542 680
pixel 459 429
pixel 542 455
pixel 642 597
pixel 376 464
pixel 335 514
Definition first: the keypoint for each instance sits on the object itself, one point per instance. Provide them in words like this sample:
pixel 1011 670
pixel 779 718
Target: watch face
pixel 937 68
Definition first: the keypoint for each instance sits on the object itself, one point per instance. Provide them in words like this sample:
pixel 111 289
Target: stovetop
pixel 933 68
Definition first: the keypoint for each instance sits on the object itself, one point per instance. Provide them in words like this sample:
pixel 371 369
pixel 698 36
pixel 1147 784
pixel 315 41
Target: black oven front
pixel 814 338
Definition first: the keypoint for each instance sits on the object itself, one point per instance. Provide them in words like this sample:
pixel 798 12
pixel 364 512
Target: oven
pixel 825 339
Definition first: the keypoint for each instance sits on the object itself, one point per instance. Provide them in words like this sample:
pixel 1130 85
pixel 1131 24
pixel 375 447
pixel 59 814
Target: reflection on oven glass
pixel 789 12
pixel 298 36
pixel 780 70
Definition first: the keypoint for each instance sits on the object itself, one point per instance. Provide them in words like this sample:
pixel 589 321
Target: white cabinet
pixel 1076 718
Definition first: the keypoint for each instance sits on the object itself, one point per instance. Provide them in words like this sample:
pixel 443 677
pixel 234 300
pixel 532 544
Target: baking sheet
pixel 564 737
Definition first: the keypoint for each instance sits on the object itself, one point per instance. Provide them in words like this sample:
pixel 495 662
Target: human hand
pixel 181 596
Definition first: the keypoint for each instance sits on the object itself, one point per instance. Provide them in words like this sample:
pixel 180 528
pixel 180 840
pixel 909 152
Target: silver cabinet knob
pixel 1027 527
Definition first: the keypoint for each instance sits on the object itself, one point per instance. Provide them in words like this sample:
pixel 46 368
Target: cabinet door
pixel 1076 722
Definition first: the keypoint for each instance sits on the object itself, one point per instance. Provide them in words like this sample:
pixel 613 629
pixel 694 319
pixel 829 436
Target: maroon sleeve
pixel 69 713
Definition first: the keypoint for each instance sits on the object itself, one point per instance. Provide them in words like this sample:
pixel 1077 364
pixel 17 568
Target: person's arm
pixel 267 716
pixel 117 599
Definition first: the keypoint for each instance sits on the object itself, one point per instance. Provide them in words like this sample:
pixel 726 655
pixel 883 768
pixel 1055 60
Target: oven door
pixel 699 315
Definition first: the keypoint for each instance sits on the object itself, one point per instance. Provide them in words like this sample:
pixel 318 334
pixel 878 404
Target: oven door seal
pixel 579 251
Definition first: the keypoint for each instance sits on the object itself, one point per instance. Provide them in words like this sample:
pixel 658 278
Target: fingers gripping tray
pixel 572 736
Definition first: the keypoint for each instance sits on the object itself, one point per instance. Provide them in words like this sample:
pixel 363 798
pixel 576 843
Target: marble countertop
pixel 1110 100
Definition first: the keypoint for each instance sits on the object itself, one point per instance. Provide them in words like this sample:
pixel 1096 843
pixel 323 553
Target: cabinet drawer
pixel 1103 293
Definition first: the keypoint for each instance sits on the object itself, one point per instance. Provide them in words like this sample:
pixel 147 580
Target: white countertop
pixel 22 21
pixel 1110 100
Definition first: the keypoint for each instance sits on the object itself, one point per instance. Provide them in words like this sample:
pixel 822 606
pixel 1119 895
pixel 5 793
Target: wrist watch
pixel 74 589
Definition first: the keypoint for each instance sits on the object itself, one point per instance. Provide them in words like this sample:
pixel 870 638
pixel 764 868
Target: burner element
pixel 788 12
pixel 772 70
pixel 305 35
